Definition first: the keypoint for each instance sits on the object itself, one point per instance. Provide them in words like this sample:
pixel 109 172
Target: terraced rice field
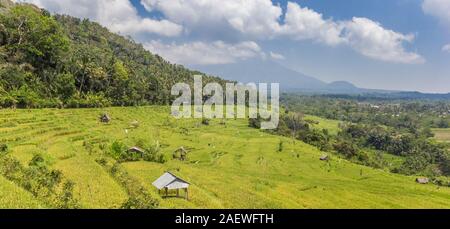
pixel 229 165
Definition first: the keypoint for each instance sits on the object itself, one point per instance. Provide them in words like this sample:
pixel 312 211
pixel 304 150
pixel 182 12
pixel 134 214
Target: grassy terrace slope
pixel 230 166
pixel 331 125
pixel 12 196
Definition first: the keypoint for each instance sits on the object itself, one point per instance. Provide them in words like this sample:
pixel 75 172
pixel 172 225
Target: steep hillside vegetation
pixel 51 61
pixel 12 196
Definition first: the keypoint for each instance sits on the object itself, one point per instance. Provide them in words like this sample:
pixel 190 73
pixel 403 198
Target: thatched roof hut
pixel 105 118
pixel 136 149
pixel 180 153
pixel 423 180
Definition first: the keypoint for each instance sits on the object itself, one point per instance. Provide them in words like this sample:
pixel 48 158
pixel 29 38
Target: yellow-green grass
pixel 12 196
pixel 331 125
pixel 442 135
pixel 229 166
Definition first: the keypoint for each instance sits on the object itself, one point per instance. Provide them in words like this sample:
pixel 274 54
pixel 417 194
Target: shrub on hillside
pixel 205 122
pixel 3 148
pixel 39 180
pixel 140 199
pixel 254 123
pixel 120 152
pixel 138 196
pixel 441 181
pixel 318 138
pixel 89 100
pixel 280 146
pixel 66 199
pixel 346 148
pixel 37 161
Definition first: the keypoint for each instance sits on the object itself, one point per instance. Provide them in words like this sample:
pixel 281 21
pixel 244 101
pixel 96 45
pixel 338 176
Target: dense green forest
pixel 374 132
pixel 412 114
pixel 61 61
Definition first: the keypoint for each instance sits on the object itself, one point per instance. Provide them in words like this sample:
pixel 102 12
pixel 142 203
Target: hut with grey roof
pixel 137 150
pixel 104 118
pixel 169 181
pixel 423 180
pixel 325 158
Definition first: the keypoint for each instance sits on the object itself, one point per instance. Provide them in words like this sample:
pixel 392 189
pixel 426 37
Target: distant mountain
pixel 259 71
pixel 342 85
pixel 408 95
pixel 266 71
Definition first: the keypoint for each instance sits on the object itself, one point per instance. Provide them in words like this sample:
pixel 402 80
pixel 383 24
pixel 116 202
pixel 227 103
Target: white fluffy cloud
pixel 372 40
pixel 438 8
pixel 303 23
pixel 117 15
pixel 201 53
pixel 251 17
pixel 277 56
pixel 261 19
pixel 441 10
pixel 242 20
pixel 446 48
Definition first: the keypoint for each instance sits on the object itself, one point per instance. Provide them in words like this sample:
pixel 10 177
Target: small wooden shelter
pixel 180 153
pixel 422 180
pixel 325 158
pixel 105 118
pixel 169 181
pixel 136 149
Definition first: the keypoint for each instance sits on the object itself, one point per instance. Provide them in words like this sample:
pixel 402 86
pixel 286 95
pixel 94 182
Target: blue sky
pixel 384 44
pixel 405 16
